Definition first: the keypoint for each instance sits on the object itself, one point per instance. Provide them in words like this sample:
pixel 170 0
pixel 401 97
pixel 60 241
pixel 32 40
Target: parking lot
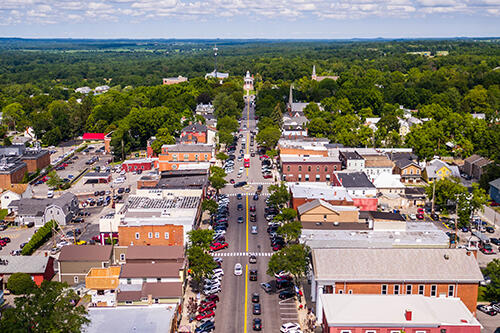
pixel 17 236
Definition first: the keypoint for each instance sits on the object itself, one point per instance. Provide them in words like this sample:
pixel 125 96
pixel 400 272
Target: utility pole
pixel 433 195
pixel 215 60
pixel 456 221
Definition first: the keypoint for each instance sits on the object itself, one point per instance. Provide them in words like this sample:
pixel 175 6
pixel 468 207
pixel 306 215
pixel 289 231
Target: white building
pixel 248 82
pixel 15 192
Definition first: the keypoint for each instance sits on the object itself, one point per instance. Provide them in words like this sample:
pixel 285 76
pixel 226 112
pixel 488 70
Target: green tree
pixel 293 258
pixel 286 215
pixel 225 105
pixel 227 123
pixel 20 284
pixel 217 171
pixel 201 263
pixel 225 137
pixel 447 190
pixel 13 116
pixel 50 308
pixel 54 180
pixel 209 205
pixel 7 141
pixel 279 194
pixel 163 137
pixel 492 270
pixel 291 231
pixel 221 156
pixel 201 238
pixel 268 137
pixel 217 182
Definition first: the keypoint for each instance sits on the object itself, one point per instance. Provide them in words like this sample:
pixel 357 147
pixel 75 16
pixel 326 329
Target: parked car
pixel 207 306
pixel 285 294
pixel 488 309
pixel 289 327
pixel 206 314
pixel 267 287
pixel 255 298
pixel 218 246
pixel 486 248
pixel 490 230
pixel 495 241
pixel 256 309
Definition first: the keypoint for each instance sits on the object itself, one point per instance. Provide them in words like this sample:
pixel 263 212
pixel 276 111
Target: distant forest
pixel 457 78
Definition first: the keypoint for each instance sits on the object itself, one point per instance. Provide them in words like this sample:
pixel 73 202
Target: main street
pixel 234 311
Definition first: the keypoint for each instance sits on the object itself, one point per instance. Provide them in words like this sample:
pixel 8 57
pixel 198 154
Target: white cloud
pixel 57 11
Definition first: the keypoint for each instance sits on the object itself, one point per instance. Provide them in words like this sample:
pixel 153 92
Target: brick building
pixel 36 159
pixel 12 171
pixel 308 168
pixel 396 314
pixel 427 272
pixel 139 164
pixel 168 234
pixel 173 156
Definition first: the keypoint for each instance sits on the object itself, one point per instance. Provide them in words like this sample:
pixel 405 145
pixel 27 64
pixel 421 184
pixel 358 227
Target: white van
pixel 50 194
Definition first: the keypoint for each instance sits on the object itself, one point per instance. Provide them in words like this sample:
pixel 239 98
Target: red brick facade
pixel 151 235
pixel 309 171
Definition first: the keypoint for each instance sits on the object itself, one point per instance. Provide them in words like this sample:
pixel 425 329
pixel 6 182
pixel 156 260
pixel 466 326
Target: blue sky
pixel 249 18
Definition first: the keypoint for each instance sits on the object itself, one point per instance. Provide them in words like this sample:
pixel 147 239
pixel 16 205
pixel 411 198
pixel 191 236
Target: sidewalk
pixel 305 310
pixel 184 315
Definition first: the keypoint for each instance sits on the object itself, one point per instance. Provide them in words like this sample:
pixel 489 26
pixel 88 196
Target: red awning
pixel 94 136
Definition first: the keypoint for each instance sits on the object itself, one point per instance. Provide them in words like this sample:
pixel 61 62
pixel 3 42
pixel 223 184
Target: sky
pixel 294 19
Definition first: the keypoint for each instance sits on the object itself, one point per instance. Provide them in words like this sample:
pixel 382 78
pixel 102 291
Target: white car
pixel 210 291
pixel 290 328
pixel 413 217
pixel 238 269
pixel 254 229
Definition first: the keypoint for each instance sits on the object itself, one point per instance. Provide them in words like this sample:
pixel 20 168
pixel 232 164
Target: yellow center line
pixel 246 225
pixel 246 298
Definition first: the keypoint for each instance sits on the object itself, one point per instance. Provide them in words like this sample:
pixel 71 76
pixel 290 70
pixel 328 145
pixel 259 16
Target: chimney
pixel 408 315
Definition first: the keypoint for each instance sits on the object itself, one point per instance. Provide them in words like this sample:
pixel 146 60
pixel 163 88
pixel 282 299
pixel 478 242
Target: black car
pixel 256 197
pixel 253 275
pixel 127 190
pixel 281 284
pixel 260 188
pixel 205 327
pixel 257 324
pixel 239 184
pixel 256 309
pixel 239 196
pixel 285 294
pixel 435 217
pixel 495 241
pixel 255 298
pixel 240 207
pixel 490 230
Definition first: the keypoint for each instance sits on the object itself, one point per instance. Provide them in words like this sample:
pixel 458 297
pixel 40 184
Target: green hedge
pixel 39 238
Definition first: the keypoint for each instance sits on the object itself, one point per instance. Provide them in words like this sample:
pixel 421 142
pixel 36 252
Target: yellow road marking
pixel 246 298
pixel 246 225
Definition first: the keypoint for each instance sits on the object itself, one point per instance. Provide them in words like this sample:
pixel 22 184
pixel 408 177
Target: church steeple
pixel 313 76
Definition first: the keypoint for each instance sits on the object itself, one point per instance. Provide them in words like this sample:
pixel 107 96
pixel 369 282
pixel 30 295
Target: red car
pixel 218 246
pixel 277 247
pixel 252 208
pixel 267 175
pixel 211 298
pixel 3 243
pixel 420 210
pixel 206 306
pixel 206 314
pixel 232 181
pixel 420 216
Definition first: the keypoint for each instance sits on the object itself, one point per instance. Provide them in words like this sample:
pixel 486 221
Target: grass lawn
pixel 3 213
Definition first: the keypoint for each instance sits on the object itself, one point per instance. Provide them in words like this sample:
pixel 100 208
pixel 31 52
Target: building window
pixel 167 236
pixel 433 290
pixel 345 331
pixel 396 289
pixel 150 234
pixel 206 157
pixel 307 178
pixel 157 235
pixel 288 168
pixel 318 178
pixel 411 171
pixel 408 289
pixel 451 290
pixel 174 157
pixel 144 280
pixel 158 279
pixel 350 291
pixel 326 168
pixel 196 157
pixel 341 291
pixel 137 235
pixel 370 331
pixel 335 167
pixel 421 289
pixel 300 178
pixel 129 281
pixel 174 166
pixel 75 279
pixel 128 302
pixel 328 289
pixel 384 289
pixel 300 167
pixel 317 168
pixel 186 157
pixel 327 178
pixel 309 168
pixel 122 256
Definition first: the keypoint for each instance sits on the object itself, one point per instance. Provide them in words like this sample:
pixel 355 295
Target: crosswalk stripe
pixel 242 254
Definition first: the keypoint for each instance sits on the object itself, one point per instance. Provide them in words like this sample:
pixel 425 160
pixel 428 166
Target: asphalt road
pixel 234 311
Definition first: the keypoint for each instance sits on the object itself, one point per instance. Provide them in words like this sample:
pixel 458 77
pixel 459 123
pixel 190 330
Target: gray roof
pixel 436 164
pixel 24 264
pixel 196 127
pixel 351 155
pixel 354 180
pixel 148 319
pixel 430 265
pixel 85 253
pixel 36 207
pixel 404 162
pixel 495 183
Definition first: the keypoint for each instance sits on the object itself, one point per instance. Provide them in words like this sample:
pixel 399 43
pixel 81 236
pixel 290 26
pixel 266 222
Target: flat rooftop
pixel 288 158
pixel 144 203
pixel 318 190
pixel 417 235
pixel 137 319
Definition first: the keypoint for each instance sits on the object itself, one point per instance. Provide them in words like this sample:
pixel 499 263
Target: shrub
pixel 39 238
pixel 20 284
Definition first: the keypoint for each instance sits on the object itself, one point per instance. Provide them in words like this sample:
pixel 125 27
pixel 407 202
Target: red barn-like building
pixel 40 268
